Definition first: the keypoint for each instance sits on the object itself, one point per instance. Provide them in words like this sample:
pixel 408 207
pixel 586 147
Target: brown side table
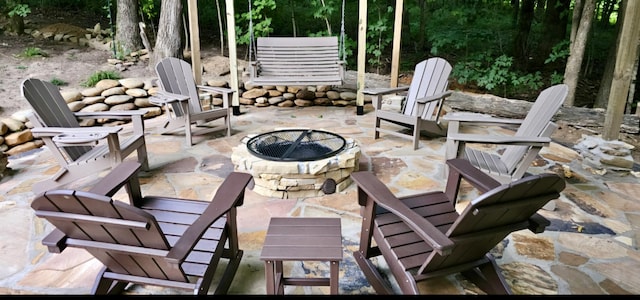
pixel 301 239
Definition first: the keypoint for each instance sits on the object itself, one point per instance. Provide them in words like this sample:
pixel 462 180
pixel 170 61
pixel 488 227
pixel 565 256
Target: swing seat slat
pixel 293 61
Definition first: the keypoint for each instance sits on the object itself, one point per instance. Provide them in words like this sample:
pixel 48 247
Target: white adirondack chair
pixel 423 101
pixel 533 133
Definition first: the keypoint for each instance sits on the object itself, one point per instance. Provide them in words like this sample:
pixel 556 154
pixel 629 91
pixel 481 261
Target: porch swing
pixel 297 61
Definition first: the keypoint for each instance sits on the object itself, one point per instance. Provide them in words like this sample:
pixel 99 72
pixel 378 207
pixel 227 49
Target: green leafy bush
pixel 57 81
pixel 34 52
pixel 100 75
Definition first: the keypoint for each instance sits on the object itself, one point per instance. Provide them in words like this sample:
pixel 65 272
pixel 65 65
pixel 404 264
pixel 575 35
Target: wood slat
pixel 297 61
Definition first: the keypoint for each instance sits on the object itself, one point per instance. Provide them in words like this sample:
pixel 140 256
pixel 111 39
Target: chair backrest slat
pixel 52 110
pixel 536 121
pixel 120 244
pixel 488 219
pixel 430 77
pixel 176 76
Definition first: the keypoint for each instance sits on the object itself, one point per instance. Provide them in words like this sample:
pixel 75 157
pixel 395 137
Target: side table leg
pixel 334 277
pixel 279 286
pixel 269 275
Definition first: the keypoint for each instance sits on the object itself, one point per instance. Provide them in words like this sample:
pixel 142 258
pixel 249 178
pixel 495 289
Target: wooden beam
pixel 233 56
pixel 397 33
pixel 362 53
pixel 627 52
pixel 194 38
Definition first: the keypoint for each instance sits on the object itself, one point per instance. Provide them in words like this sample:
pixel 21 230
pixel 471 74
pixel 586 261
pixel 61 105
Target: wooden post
pixel 362 53
pixel 233 56
pixel 194 38
pixel 625 58
pixel 397 33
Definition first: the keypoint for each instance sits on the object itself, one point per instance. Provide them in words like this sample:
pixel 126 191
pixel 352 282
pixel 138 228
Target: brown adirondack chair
pixel 151 240
pixel 423 236
pixel 80 151
pixel 422 105
pixel 179 94
pixel 533 132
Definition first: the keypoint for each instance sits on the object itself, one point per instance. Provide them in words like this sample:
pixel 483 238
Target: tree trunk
pixel 423 21
pixel 127 32
pixel 607 76
pixel 518 109
pixel 554 24
pixel 168 43
pixel 515 4
pixel 572 70
pixel 220 27
pixel 625 62
pixel 521 41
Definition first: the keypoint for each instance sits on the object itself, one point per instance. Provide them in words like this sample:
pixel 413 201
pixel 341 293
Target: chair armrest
pixel 163 98
pixel 113 114
pixel 480 119
pixel 384 91
pixel 462 168
pixel 500 139
pixel 226 93
pixel 54 131
pixel 538 223
pixel 434 97
pixel 253 68
pixel 56 241
pixel 79 139
pixel 124 173
pixel 230 194
pixel 215 89
pixel 378 192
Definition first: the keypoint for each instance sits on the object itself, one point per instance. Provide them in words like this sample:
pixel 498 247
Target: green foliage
pixel 258 16
pixel 33 52
pixel 58 82
pixel 558 52
pixel 495 75
pixel 21 67
pixel 120 52
pixel 556 78
pixel 150 8
pixel 379 36
pixel 18 9
pixel 100 75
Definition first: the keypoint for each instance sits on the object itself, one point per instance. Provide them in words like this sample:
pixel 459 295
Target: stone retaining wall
pixel 134 93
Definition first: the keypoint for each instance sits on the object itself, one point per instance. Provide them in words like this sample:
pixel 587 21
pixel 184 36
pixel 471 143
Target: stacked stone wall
pixel 134 93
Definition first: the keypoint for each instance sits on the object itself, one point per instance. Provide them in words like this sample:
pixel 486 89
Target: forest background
pixel 510 48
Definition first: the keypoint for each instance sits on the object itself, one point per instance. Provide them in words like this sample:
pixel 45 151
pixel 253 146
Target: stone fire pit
pixel 298 179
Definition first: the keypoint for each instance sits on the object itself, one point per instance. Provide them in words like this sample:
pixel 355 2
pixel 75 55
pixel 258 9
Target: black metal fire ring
pixel 296 145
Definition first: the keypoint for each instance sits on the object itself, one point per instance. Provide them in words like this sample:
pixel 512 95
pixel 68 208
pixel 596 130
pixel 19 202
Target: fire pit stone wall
pixel 298 179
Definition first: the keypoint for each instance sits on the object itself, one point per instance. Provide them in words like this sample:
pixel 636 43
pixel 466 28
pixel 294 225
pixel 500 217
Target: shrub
pixel 34 52
pixel 57 81
pixel 99 75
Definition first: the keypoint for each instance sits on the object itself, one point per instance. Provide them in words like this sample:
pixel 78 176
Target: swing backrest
pixel 292 61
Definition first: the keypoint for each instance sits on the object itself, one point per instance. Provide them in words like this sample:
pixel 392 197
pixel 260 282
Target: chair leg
pixel 489 278
pixel 229 273
pixel 104 286
pixel 143 159
pixel 372 274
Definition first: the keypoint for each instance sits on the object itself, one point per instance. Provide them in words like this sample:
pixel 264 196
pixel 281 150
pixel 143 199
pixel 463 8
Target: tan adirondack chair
pixel 533 132
pixel 422 236
pixel 80 151
pixel 152 240
pixel 422 105
pixel 180 95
